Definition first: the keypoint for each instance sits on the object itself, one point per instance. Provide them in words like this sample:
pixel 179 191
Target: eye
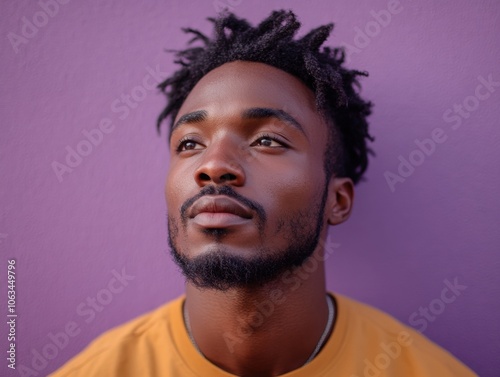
pixel 269 142
pixel 188 145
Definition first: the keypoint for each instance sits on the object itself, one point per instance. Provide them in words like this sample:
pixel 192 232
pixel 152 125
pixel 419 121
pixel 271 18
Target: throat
pixel 266 338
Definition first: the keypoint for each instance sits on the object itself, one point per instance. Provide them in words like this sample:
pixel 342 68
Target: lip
pixel 219 211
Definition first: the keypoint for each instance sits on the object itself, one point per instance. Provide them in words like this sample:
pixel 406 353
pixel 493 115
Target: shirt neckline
pixel 200 366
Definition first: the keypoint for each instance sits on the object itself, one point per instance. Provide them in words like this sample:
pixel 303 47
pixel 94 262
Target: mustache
pixel 228 191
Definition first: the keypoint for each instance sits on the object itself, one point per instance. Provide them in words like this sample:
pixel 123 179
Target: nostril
pixel 204 177
pixel 227 177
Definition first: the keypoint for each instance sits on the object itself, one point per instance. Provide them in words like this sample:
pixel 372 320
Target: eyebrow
pixel 193 117
pixel 252 113
pixel 265 112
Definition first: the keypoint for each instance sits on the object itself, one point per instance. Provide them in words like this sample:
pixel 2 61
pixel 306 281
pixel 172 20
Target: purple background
pixel 395 252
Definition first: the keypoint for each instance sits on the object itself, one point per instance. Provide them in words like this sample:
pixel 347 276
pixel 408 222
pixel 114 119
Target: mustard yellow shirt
pixel 365 342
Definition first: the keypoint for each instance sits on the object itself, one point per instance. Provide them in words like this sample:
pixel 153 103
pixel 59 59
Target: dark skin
pixel 276 161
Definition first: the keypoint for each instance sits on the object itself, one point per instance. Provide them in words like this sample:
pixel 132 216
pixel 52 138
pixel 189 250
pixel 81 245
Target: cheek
pixel 297 187
pixel 174 187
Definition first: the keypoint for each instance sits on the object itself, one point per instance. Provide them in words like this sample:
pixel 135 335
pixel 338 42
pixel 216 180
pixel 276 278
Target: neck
pixel 265 331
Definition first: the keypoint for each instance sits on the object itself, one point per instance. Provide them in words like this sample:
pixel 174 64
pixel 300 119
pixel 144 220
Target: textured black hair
pixel 272 42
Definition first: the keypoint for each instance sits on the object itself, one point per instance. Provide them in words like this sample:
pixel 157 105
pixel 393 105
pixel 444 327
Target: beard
pixel 221 270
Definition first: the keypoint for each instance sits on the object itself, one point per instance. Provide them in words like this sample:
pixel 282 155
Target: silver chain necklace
pixel 319 345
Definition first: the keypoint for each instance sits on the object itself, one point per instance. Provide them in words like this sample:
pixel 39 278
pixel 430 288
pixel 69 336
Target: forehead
pixel 239 85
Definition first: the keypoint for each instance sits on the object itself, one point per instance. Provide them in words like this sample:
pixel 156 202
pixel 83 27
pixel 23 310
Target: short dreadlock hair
pixel 272 42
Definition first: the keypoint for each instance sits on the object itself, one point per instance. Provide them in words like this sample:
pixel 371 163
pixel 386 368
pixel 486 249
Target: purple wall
pixel 414 228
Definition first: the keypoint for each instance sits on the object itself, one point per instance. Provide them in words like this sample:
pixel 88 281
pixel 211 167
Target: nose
pixel 221 165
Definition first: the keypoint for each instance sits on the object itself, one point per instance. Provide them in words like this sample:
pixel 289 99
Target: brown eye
pixel 188 145
pixel 267 141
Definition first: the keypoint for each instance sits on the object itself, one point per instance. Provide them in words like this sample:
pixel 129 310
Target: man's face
pixel 246 188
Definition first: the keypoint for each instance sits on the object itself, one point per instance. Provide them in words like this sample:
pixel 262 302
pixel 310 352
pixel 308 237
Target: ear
pixel 340 200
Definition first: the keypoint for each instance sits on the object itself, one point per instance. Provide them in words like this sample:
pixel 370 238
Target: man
pixel 268 137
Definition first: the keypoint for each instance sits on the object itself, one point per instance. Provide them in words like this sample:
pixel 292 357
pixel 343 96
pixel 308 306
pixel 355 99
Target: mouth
pixel 219 212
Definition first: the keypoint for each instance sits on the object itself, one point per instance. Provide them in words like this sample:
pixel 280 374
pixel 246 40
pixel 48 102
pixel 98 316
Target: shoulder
pixel 106 354
pixel 387 342
pixel 363 314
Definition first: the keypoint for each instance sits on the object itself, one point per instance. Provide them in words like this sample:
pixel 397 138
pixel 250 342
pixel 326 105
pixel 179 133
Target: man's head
pixel 268 136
